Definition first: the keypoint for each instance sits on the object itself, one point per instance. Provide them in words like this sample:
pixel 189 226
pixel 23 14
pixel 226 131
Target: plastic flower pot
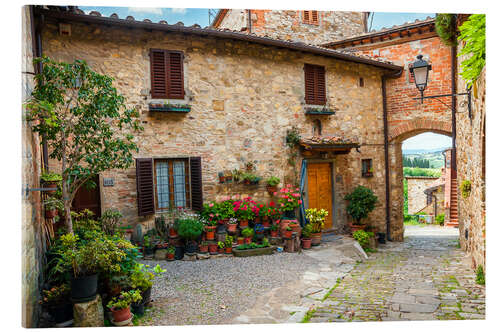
pixel 138 308
pixel 83 288
pixel 120 315
pixel 316 239
pixel 146 296
pixel 191 247
pixel 179 252
pixel 61 312
pixel 306 243
pixel 243 223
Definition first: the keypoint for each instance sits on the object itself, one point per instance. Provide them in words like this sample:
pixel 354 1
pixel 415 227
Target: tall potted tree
pixel 85 122
pixel 361 202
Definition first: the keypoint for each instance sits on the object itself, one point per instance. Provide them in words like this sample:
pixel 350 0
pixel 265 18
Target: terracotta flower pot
pixel 210 232
pixel 283 225
pixel 121 314
pixel 220 250
pixel 172 232
pixel 203 248
pixel 248 240
pixel 50 213
pixel 356 227
pixel 240 240
pixel 243 223
pixel 265 222
pixel 170 256
pixel 271 189
pixel 274 233
pixel 231 227
pixel 306 243
pixel 229 250
pixel 212 248
pixel 295 228
pixel 316 238
pixel 287 233
pixel 52 185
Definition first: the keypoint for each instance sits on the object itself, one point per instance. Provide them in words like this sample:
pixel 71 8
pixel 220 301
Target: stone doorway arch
pixel 397 134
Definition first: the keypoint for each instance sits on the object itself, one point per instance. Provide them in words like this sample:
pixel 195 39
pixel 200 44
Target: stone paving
pixel 425 278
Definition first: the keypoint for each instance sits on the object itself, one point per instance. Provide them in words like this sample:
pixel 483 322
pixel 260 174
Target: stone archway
pixel 397 134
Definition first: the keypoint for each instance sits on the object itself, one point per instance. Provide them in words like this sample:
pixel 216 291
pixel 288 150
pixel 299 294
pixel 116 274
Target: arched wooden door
pixel 88 199
pixel 320 189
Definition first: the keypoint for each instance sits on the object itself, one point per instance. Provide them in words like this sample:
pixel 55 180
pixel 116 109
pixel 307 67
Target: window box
pixel 177 108
pixel 319 111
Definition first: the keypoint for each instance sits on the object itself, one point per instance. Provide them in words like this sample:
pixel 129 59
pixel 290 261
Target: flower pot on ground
pixel 191 247
pixel 287 233
pixel 315 238
pixel 361 202
pixel 171 253
pixel 203 248
pixel 58 304
pixel 220 247
pixel 138 308
pixel 228 250
pixel 228 244
pixel 247 233
pixel 316 218
pixel 306 243
pixel 212 248
pixel 179 252
pixel 231 225
pixel 306 236
pixel 120 305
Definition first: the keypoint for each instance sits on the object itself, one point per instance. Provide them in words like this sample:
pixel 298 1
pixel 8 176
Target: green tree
pixel 84 121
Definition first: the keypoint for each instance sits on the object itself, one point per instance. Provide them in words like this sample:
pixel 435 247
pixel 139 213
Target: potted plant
pixel 120 306
pixel 259 231
pixel 274 230
pixel 264 215
pixel 316 218
pixel 229 244
pixel 289 200
pixel 210 226
pixel 171 253
pixel 248 234
pixel 56 299
pixel 220 247
pixel 361 202
pixel 52 205
pixel 204 247
pixel 306 236
pixel 294 224
pixel 244 211
pixel 142 277
pixel 272 184
pixel 240 240
pixel 221 177
pixel 190 229
pixel 51 180
pixel 287 233
pixel 232 224
pixel 211 212
pixel 148 245
pixel 212 247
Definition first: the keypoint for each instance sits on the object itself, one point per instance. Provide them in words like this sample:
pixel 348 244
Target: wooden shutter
pixel 196 184
pixel 145 187
pixel 167 74
pixel 314 17
pixel 306 17
pixel 175 75
pixel 158 73
pixel 315 86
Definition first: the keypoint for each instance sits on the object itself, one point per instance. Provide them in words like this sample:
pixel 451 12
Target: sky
pixel 190 16
pixel 427 141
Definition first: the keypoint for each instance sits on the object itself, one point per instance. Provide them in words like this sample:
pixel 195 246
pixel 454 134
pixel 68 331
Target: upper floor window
pixel 310 17
pixel 167 74
pixel 315 88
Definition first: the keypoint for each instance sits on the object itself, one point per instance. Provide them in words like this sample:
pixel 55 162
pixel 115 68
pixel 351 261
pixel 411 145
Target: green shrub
pixel 273 181
pixel 363 237
pixel 51 177
pixel 480 278
pixel 190 228
pixel 247 232
pixel 440 219
pixel 124 300
pixel 465 188
pixel 361 202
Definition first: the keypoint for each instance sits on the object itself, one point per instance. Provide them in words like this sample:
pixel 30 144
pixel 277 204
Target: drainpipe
pixel 249 23
pixel 391 75
pixel 453 105
pixel 36 30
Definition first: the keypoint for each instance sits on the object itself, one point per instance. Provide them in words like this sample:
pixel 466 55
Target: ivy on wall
pixel 445 29
pixel 473 33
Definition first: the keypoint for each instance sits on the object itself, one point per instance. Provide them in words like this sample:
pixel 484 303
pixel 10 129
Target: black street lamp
pixel 420 70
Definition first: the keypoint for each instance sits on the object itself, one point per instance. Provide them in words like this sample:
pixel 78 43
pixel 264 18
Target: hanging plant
pixel 465 188
pixel 445 29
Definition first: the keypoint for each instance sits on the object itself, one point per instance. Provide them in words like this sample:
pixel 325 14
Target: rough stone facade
pixel 408 117
pixel 471 165
pixel 243 97
pixel 31 208
pixel 417 199
pixel 290 25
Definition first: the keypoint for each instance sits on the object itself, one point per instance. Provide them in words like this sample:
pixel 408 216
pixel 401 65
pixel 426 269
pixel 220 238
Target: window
pixel 315 88
pixel 310 17
pixel 361 82
pixel 367 167
pixel 171 183
pixel 167 74
pixel 317 128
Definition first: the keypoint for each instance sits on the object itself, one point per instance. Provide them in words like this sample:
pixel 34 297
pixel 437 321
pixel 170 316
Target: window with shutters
pixel 315 87
pixel 310 17
pixel 167 74
pixel 172 183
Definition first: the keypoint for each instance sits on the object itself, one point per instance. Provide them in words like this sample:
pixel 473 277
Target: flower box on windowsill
pixel 176 108
pixel 367 174
pixel 319 111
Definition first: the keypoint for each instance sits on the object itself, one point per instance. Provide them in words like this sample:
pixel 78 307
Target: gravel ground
pixel 216 290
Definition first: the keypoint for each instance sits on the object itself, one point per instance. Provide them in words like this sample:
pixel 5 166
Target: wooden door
pixel 319 189
pixel 88 199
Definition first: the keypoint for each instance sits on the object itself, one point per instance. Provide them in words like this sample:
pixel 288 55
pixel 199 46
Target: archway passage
pixel 397 135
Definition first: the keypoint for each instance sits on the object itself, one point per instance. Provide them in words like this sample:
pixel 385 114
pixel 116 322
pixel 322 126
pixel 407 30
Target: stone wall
pixel 471 153
pixel 31 208
pixel 244 98
pixel 417 199
pixel 289 25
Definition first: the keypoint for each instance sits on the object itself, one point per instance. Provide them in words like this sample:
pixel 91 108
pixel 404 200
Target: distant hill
pixel 423 151
pixel 435 157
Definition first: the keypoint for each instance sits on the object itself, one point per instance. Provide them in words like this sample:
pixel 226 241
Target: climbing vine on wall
pixel 473 33
pixel 445 29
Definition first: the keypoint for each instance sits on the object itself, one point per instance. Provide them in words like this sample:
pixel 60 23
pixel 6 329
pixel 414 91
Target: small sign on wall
pixel 108 182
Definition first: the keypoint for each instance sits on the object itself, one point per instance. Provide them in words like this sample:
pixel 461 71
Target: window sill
pixel 319 110
pixel 175 108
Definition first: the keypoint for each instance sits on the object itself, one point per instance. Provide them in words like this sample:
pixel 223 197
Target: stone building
pixel 242 93
pixel 471 165
pixel 418 199
pixel 309 26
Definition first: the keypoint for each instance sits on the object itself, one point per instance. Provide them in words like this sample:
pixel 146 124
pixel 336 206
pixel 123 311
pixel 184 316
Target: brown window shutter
pixel 306 17
pixel 196 184
pixel 175 75
pixel 314 16
pixel 320 85
pixel 309 83
pixel 158 63
pixel 145 189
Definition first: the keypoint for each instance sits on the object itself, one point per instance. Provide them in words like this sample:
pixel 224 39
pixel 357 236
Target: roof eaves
pixel 129 22
pixel 219 17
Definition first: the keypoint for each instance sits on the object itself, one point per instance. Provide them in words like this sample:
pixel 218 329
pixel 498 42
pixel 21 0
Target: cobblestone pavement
pixel 424 278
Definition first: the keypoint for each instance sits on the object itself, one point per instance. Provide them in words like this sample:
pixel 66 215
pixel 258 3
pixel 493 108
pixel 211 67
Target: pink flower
pixel 300 202
pixel 211 215
pixel 288 185
pixel 275 193
pixel 282 205
pixel 211 205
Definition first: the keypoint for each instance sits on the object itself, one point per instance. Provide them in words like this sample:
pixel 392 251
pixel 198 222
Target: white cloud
pixel 179 10
pixel 148 10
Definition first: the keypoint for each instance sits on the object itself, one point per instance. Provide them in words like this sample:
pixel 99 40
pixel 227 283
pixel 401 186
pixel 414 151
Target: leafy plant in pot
pixel 52 206
pixel 228 244
pixel 203 247
pixel 231 225
pixel 272 184
pixel 287 233
pixel 120 306
pixel 171 253
pixel 316 218
pixel 141 279
pixel 210 226
pixel 306 236
pixel 361 202
pixel 220 247
pixel 190 229
pixel 57 302
pixel 247 233
pixel 289 200
pixel 274 230
pixel 51 180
